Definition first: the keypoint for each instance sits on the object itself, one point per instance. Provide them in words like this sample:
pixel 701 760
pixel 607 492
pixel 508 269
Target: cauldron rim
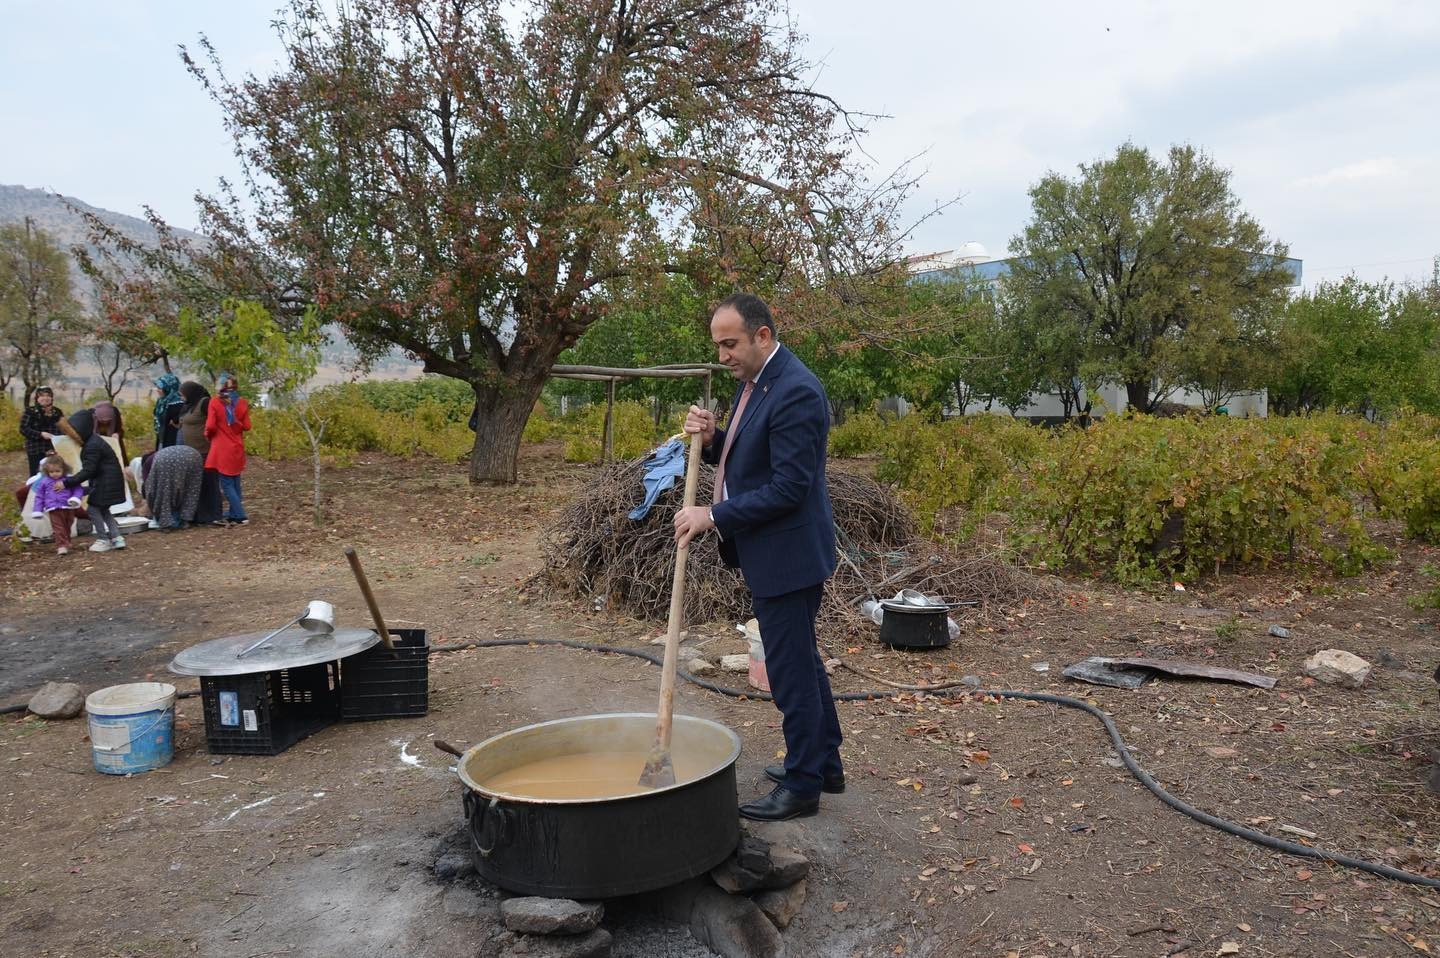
pixel 476 749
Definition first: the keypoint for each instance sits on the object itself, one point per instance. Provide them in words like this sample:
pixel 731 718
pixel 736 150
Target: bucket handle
pixel 137 736
pixel 483 814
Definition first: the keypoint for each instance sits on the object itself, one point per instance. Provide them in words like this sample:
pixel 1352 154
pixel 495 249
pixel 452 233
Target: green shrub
pixel 635 435
pixel 10 438
pixel 1146 498
pixel 1400 470
pixel 1429 597
pixel 972 463
pixel 861 434
pixel 352 425
pixel 455 398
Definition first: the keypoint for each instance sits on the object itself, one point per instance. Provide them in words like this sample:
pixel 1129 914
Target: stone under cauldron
pixel 738 910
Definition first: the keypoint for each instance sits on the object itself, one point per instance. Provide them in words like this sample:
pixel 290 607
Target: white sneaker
pixel 118 542
pixel 62 551
pixel 153 524
pixel 101 545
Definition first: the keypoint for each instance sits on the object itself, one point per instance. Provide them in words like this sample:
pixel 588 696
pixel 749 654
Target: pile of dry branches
pixel 596 552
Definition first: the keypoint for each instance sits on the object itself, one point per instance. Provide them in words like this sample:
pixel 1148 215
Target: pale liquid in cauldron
pixel 587 775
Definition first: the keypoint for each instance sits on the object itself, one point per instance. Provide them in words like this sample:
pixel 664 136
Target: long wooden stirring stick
pixel 659 769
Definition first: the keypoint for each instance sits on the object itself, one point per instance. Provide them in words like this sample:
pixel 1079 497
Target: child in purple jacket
pixel 57 495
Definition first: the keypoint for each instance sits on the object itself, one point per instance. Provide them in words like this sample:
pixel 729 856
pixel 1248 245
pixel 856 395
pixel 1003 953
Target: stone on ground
pixel 746 869
pixel 593 944
pixel 787 867
pixel 1338 667
pixel 453 865
pixel 781 905
pixel 57 700
pixel 733 926
pixel 550 916
pixel 739 662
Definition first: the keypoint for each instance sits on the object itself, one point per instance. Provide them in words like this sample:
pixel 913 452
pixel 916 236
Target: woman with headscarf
pixel 168 407
pixel 40 420
pixel 172 486
pixel 192 434
pixel 225 426
pixel 107 422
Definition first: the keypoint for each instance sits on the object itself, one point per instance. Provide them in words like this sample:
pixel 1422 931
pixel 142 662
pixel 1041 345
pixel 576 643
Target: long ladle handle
pixel 659 770
pixel 354 561
pixel 255 645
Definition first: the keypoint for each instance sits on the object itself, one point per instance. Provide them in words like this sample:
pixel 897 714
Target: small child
pixel 56 495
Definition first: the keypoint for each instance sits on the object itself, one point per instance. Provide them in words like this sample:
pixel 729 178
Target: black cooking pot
pixel 602 848
pixel 906 626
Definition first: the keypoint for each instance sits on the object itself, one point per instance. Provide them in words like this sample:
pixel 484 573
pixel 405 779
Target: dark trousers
pixel 34 459
pixel 801 688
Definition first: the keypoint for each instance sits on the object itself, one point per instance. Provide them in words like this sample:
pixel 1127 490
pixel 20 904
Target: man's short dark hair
pixel 753 310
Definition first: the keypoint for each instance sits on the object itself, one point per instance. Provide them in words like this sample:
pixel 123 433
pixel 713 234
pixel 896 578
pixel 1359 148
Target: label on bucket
pixel 111 738
pixel 230 709
pixel 251 722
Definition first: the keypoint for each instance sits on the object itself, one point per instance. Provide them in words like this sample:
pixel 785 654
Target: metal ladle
pixel 318 618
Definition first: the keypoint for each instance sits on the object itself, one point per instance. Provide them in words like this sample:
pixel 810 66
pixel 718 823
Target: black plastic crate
pixel 267 712
pixel 381 683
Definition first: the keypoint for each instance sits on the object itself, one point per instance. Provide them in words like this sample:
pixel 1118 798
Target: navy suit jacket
pixel 777 525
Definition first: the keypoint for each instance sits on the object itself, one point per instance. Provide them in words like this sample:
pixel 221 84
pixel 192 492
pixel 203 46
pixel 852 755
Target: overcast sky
pixel 1324 111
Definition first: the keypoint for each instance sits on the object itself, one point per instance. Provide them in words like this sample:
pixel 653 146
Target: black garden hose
pixel 1144 777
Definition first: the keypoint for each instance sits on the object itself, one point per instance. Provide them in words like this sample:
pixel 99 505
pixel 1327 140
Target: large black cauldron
pixel 602 848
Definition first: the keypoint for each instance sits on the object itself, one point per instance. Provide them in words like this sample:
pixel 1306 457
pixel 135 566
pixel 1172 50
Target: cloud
pixel 1381 167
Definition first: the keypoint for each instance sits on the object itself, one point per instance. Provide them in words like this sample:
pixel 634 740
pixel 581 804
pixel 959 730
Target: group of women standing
pixel 199 454
pixel 193 476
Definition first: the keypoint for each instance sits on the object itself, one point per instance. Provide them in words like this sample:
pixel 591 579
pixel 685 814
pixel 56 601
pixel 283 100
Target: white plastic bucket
pixel 132 727
pixel 758 676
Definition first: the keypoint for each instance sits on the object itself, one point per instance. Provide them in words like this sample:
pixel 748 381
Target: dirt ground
pixel 971 826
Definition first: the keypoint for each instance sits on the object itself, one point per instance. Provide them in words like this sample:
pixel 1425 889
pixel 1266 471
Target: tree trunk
pixel 1137 396
pixel 502 414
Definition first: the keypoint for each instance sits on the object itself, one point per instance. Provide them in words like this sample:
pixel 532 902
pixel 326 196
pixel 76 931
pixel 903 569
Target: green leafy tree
pixel 1353 346
pixel 40 318
pixel 668 323
pixel 245 339
pixel 468 180
pixel 1136 258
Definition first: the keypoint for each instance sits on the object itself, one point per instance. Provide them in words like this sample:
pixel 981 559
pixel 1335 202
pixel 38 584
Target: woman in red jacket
pixel 225 425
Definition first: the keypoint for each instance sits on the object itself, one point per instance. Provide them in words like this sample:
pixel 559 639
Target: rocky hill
pixel 60 217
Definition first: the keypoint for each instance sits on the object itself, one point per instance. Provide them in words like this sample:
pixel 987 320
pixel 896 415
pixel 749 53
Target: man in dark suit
pixel 772 512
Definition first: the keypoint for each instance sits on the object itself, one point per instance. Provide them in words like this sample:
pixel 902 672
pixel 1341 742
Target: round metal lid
pixel 290 649
pixel 908 609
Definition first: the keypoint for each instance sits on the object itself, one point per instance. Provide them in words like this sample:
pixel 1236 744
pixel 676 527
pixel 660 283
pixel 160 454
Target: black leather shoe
pixel 832 784
pixel 779 806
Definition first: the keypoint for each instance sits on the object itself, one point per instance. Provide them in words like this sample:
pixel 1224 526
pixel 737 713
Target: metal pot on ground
pixel 909 626
pixel 602 847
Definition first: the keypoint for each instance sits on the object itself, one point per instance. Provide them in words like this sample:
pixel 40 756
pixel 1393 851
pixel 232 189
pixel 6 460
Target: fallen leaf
pixel 1229 948
pixel 838 906
pixel 1017 802
pixel 1221 751
pixel 1304 874
pixel 1026 848
pixel 1243 926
